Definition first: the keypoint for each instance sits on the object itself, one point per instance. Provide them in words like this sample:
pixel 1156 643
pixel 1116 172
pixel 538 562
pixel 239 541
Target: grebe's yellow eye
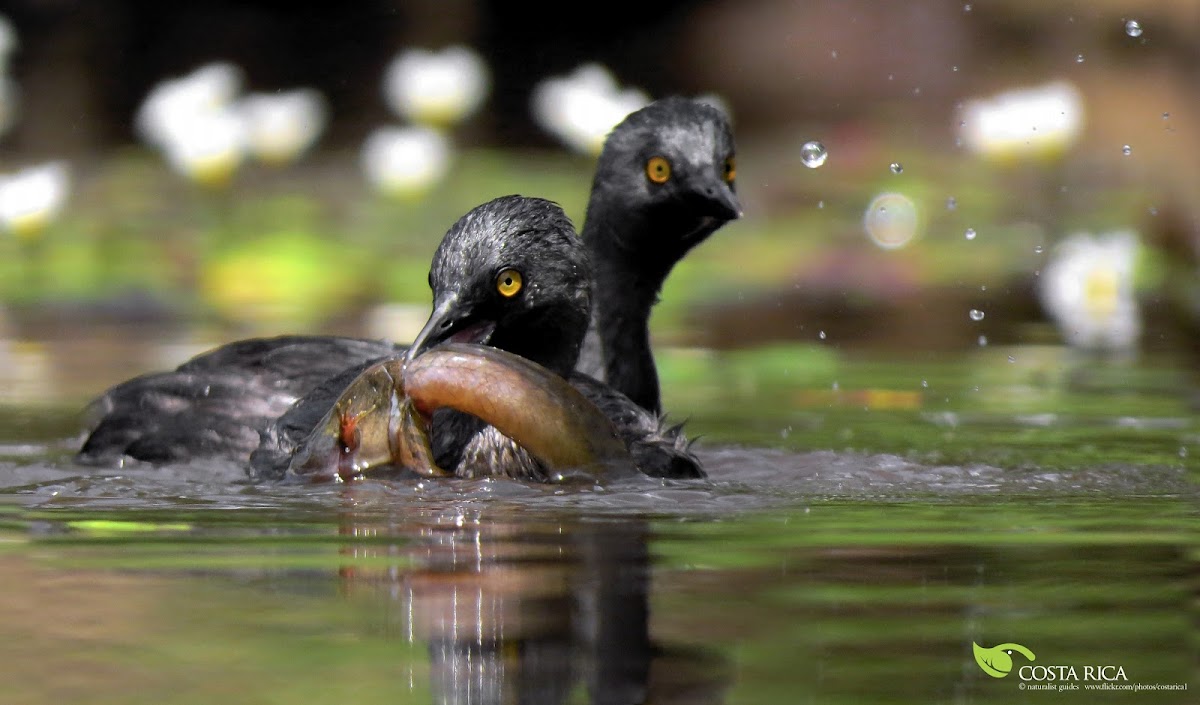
pixel 658 170
pixel 730 169
pixel 508 283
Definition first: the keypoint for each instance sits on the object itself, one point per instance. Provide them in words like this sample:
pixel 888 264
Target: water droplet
pixel 896 167
pixel 951 203
pixel 1079 58
pixel 1133 28
pixel 925 384
pixel 954 69
pixel 967 7
pixel 970 234
pixel 1166 116
pixel 833 53
pixel 976 314
pixel 1038 249
pixel 982 344
pixel 1012 358
pixel 813 154
pixel 820 205
pixel 821 335
pixel 1127 150
pixel 983 287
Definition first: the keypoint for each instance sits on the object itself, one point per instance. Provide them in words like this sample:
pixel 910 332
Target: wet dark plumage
pixel 637 229
pixel 255 400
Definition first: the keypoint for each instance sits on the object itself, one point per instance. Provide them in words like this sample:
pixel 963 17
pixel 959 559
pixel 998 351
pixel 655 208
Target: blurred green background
pixel 139 251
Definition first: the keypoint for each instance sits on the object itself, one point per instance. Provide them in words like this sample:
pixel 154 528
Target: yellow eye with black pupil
pixel 508 283
pixel 730 170
pixel 658 170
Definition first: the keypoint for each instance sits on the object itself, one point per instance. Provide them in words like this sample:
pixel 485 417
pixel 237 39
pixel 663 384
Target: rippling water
pixel 863 524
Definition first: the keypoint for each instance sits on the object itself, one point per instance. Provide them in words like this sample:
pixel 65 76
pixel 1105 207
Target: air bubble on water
pixel 951 203
pixel 821 335
pixel 820 205
pixel 1079 58
pixel 983 341
pixel 976 314
pixel 1183 451
pixel 967 7
pixel 970 234
pixel 1038 249
pixel 783 432
pixel 983 287
pixel 1153 210
pixel 835 385
pixel 1166 116
pixel 1126 150
pixel 896 167
pixel 924 384
pixel 1133 28
pixel 1012 358
pixel 813 154
pixel 954 69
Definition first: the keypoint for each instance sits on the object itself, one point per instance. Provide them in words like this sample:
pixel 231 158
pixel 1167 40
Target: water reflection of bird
pixel 529 611
pixel 511 273
pixel 664 182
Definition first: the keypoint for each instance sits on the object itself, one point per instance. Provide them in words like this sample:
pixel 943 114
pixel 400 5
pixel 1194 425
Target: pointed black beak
pixel 717 200
pixel 450 320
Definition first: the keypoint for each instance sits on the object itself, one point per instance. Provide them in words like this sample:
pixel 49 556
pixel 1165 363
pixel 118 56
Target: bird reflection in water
pixel 528 611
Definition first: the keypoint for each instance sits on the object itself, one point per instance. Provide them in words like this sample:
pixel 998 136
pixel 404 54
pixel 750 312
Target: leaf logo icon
pixel 996 661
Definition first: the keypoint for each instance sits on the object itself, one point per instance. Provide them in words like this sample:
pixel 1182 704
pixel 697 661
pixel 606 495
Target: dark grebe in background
pixel 663 184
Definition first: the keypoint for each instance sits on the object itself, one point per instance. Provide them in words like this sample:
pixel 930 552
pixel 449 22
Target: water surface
pixel 866 520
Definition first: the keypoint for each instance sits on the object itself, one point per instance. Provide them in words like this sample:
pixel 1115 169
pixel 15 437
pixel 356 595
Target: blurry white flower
pixel 436 88
pixel 282 126
pixel 891 220
pixel 173 102
pixel 583 107
pixel 1044 120
pixel 206 147
pixel 405 161
pixel 1087 288
pixel 31 198
pixel 8 42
